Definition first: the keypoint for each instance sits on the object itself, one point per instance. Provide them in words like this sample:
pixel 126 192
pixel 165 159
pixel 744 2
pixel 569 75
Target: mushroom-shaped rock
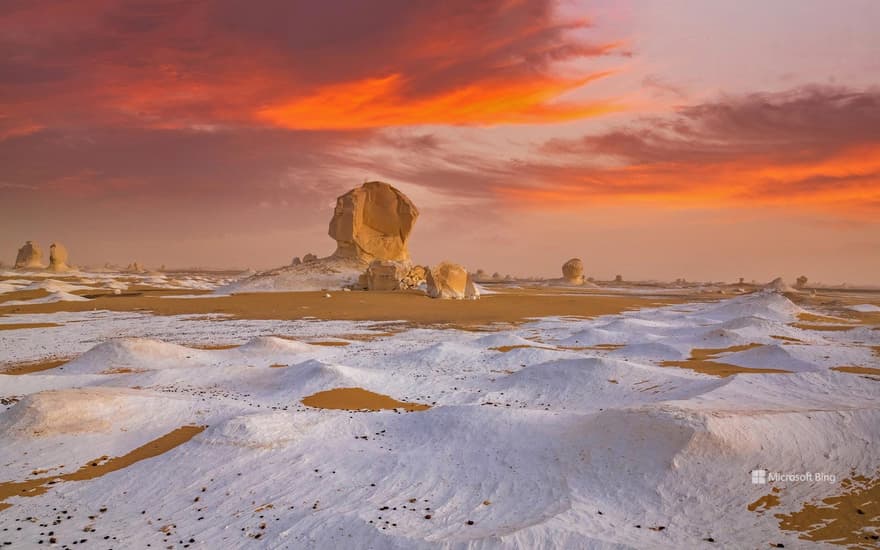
pixel 573 271
pixel 58 258
pixel 373 222
pixel 29 256
pixel 385 275
pixel 451 281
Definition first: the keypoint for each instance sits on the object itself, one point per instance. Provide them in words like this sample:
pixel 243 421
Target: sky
pixel 655 139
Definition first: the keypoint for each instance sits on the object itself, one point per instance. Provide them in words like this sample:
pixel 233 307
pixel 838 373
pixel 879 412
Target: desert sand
pixel 258 410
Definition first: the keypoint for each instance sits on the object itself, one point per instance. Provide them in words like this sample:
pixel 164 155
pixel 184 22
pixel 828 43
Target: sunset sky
pixel 653 138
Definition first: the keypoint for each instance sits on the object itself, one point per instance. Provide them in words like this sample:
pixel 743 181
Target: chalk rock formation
pixel 58 258
pixel 573 271
pixel 373 222
pixel 134 267
pixel 415 277
pixel 449 280
pixel 29 256
pixel 296 261
pixel 779 285
pixel 385 275
pixel 370 222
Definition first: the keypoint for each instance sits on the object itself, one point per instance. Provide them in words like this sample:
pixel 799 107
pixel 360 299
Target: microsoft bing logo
pixel 759 477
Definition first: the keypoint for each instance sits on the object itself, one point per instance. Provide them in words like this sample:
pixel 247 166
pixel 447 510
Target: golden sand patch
pixel 825 328
pixel 597 347
pixel 816 318
pixel 702 360
pixel 851 518
pixel 857 370
pixel 506 349
pixel 213 347
pixel 770 500
pixel 28 368
pixel 22 295
pixel 786 339
pixel 20 326
pixel 98 467
pixel 122 370
pixel 358 399
pixel 413 307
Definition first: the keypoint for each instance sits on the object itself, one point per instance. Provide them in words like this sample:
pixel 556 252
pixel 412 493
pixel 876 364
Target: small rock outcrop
pixel 308 258
pixel 58 258
pixel 29 256
pixel 573 271
pixel 373 222
pixel 448 280
pixel 779 285
pixel 134 267
pixel 296 261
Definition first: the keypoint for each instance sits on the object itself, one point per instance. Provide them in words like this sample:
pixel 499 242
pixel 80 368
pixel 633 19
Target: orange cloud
pixel 846 183
pixel 378 102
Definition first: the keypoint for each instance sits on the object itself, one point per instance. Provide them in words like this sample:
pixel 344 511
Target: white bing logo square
pixel 759 477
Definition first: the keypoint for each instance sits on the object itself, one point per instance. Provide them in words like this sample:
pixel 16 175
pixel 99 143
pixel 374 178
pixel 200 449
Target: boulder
pixel 385 275
pixel 448 280
pixel 29 256
pixel 373 222
pixel 296 261
pixel 415 277
pixel 573 271
pixel 58 258
pixel 309 258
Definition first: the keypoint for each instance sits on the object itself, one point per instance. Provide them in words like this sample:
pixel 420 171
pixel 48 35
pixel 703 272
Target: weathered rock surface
pixel 58 258
pixel 29 256
pixel 373 222
pixel 296 261
pixel 415 277
pixel 385 275
pixel 449 280
pixel 370 222
pixel 573 271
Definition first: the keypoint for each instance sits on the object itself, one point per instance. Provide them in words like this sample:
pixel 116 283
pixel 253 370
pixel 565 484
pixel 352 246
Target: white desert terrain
pixel 145 411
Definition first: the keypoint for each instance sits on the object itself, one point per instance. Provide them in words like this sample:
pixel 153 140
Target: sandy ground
pixel 538 417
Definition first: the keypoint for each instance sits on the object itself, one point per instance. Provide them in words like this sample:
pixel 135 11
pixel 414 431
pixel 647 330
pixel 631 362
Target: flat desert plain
pixel 149 411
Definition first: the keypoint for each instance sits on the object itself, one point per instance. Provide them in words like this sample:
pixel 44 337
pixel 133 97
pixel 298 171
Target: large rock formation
pixel 373 222
pixel 29 256
pixel 370 222
pixel 451 281
pixel 573 271
pixel 58 258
